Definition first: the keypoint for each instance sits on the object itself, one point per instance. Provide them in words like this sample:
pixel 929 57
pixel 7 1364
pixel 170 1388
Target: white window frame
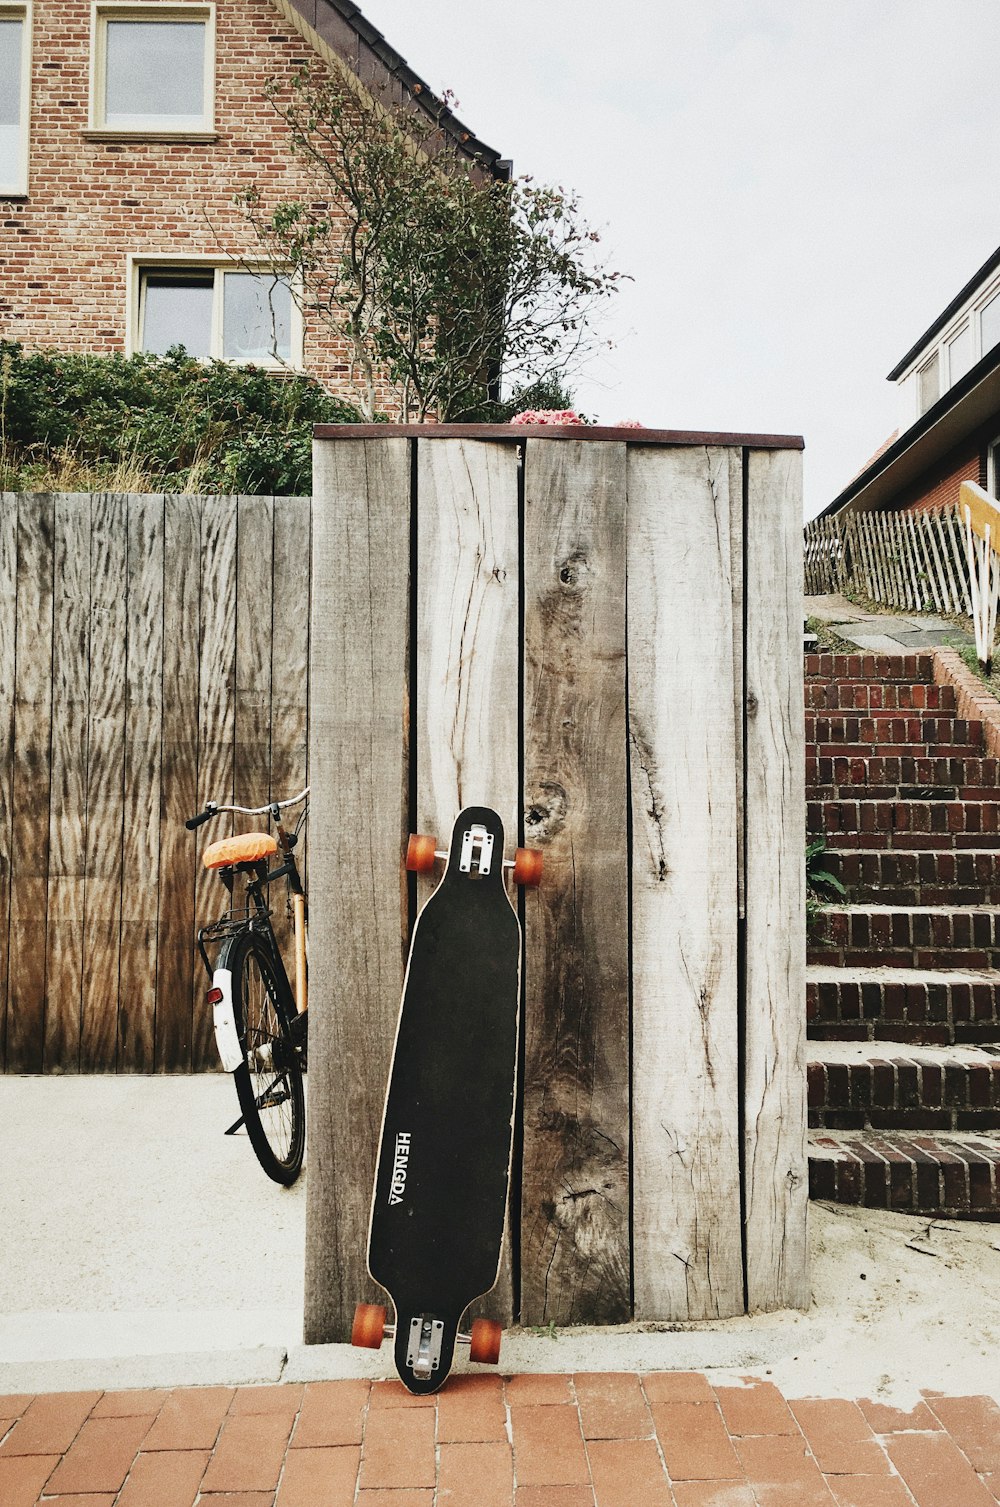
pixel 993 467
pixel 18 188
pixel 992 292
pixel 142 263
pixel 953 334
pixel 103 11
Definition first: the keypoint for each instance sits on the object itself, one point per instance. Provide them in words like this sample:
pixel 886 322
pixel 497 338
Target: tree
pixel 441 277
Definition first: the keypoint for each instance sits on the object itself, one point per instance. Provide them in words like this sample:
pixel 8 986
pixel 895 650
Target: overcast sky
pixel 798 188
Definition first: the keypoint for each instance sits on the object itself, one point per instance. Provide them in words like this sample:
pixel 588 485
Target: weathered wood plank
pixel 30 784
pixel 105 783
pixel 253 587
pixel 468 658
pixel 65 932
pixel 8 642
pixel 359 765
pixel 686 1167
pixel 216 728
pixel 776 1185
pixel 178 783
pixel 290 673
pixel 575 1179
pixel 141 842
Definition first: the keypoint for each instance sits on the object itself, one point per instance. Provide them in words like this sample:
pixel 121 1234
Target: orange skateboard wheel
pixel 368 1329
pixel 528 866
pixel 484 1343
pixel 420 852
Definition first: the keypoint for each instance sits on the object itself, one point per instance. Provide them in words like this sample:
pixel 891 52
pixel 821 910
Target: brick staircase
pixel 903 975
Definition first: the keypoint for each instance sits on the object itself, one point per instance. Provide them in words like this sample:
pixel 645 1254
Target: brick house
pixel 126 128
pixel 949 394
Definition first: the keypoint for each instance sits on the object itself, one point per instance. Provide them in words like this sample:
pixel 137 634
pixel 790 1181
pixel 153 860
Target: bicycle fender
pixel 226 1035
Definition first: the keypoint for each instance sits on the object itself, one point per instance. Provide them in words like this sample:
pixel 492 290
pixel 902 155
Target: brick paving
pixel 668 1439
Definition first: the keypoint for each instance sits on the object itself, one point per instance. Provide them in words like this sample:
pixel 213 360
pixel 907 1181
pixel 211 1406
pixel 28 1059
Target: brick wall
pixel 940 484
pixel 64 249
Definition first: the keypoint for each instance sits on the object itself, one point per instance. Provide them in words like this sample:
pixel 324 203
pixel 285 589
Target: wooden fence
pixel 601 637
pixel 153 655
pixel 910 560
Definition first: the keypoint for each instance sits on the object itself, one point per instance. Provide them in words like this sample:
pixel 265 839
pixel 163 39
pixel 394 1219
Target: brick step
pixel 879 699
pixel 867 667
pixel 943 1173
pixel 916 936
pixel 931 772
pixel 967 876
pixel 907 1005
pixel 858 1085
pixel 893 734
pixel 905 824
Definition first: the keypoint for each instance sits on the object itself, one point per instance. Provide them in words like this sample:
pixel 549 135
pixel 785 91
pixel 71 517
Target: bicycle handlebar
pixel 214 809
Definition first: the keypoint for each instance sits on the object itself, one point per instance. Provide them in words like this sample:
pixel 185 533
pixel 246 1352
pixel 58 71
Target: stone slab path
pixel 668 1439
pixel 884 633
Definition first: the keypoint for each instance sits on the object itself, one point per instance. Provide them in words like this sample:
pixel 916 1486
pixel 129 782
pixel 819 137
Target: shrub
pixel 168 422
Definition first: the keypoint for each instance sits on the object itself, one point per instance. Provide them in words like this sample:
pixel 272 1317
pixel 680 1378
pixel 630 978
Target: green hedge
pixel 175 423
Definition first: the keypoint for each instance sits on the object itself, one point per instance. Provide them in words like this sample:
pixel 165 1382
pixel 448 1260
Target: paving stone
pixel 628 1471
pixel 840 1437
pixel 612 1406
pixel 475 1475
pixel 694 1441
pixel 164 1478
pixel 548 1446
pixel 380 1498
pixel 756 1408
pixel 392 1394
pixel 332 1412
pixel 325 1477
pixel 130 1404
pixel 936 1472
pixel 190 1418
pixel 713 1494
pixel 283 1399
pixel 249 1454
pixel 471 1409
pixel 974 1424
pixel 677 1386
pixel 782 1472
pixel 884 1419
pixel 23 1476
pixel 525 1391
pixel 870 1491
pixel 100 1456
pixel 552 1496
pixel 49 1424
pixel 398 1448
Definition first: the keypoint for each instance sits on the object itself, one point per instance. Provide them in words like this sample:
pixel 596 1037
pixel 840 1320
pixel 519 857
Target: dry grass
pixel 67 471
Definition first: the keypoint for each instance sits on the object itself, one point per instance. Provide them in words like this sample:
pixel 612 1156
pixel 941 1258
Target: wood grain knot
pixel 545 814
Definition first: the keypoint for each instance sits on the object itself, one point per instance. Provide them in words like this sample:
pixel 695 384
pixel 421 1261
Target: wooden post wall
pixel 605 631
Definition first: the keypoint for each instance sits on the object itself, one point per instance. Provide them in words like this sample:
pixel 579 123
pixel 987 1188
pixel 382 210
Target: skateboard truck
pixel 423 1353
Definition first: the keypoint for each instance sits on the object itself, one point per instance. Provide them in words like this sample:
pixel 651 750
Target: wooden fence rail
pixel 916 561
pixel 471 644
pixel 153 655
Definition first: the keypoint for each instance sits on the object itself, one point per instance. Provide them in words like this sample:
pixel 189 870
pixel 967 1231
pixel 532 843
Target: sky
pixel 796 187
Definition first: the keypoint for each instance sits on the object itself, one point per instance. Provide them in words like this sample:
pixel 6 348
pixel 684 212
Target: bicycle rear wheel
pixel 269 1079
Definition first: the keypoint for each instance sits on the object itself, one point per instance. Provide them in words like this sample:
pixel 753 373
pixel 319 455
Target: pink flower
pixel 547 416
pixel 629 424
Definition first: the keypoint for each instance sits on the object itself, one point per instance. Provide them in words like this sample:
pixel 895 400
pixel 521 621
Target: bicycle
pixel 260 1025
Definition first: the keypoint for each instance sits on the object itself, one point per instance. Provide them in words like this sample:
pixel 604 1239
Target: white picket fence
pixel 917 561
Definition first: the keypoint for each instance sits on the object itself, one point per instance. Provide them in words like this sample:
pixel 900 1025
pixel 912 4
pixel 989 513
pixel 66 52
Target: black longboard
pixel 443 1172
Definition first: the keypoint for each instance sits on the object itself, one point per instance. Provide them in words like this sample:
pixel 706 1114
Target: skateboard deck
pixel 443 1172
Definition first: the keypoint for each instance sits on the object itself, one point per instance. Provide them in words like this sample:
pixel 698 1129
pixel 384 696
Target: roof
pixel 990 265
pixel 340 26
pixel 966 405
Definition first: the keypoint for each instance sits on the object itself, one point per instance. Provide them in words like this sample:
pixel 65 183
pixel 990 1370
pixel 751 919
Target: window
pixel 232 314
pixel 960 354
pixel 15 78
pixel 929 382
pixel 989 323
pixel 993 469
pixel 153 69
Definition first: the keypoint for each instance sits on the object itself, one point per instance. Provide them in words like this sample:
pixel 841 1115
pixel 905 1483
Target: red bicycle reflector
pixel 214 996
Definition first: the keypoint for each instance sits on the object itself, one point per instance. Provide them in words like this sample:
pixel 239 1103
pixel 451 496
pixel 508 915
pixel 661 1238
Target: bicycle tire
pixel 269 1079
